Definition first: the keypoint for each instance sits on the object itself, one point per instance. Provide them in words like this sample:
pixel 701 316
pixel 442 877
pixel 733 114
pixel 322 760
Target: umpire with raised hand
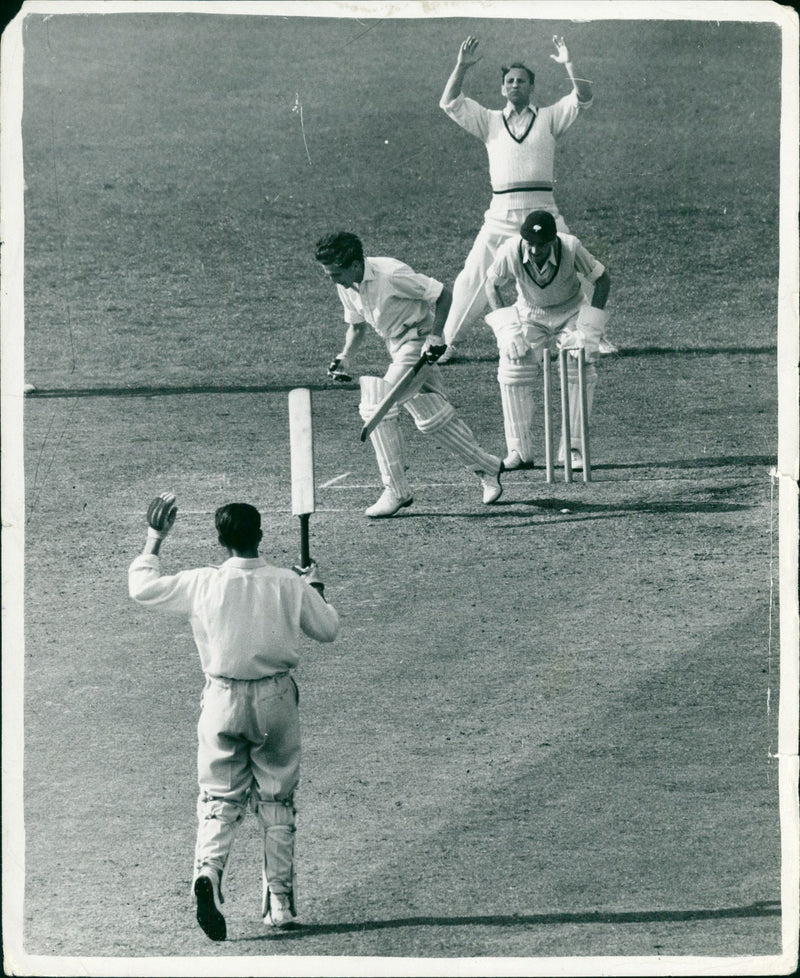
pixel 247 618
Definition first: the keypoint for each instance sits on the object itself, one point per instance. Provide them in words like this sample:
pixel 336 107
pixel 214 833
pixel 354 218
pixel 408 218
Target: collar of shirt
pixel 369 273
pixel 538 270
pixel 511 113
pixel 518 122
pixel 245 563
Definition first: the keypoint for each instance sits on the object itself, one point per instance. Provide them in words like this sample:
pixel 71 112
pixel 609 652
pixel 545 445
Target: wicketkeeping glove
pixel 161 515
pixel 589 332
pixel 507 327
pixel 339 370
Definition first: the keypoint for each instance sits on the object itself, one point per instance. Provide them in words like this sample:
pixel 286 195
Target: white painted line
pixel 330 482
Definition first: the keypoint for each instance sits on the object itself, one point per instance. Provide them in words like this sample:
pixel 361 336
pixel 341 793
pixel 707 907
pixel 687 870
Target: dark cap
pixel 539 227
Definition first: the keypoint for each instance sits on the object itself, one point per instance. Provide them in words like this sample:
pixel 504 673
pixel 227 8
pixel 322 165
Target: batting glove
pixel 310 575
pixel 161 515
pixel 433 347
pixel 339 370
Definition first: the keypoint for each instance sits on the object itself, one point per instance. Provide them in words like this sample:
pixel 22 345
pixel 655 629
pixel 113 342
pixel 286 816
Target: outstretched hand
pixel 161 515
pixel 562 57
pixel 466 53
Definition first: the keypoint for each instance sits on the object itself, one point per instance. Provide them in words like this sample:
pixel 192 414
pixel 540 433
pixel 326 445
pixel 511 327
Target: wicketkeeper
pixel 247 618
pixel 551 313
pixel 408 310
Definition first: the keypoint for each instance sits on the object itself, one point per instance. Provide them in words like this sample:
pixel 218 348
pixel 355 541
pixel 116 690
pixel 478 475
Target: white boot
pixel 279 913
pixel 492 490
pixel 388 504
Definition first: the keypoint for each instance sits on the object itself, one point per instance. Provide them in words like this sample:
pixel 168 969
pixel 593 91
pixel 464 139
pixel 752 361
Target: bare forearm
pixel 494 296
pixel 443 304
pixel 454 84
pixel 581 86
pixel 353 338
pixel 602 287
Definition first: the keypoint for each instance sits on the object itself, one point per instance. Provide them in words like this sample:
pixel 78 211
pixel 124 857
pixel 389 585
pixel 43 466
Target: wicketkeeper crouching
pixel 551 313
pixel 247 617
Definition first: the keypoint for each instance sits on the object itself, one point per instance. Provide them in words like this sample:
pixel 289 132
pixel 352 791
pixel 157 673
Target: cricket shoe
pixel 492 490
pixel 576 459
pixel 388 504
pixel 448 355
pixel 280 913
pixel 209 898
pixel 514 461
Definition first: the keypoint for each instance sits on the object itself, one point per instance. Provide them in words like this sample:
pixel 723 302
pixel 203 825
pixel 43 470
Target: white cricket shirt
pixel 394 299
pixel 247 616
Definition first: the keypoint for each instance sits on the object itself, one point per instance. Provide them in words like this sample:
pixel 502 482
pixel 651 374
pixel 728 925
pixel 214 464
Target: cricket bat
pixel 413 377
pixel 301 439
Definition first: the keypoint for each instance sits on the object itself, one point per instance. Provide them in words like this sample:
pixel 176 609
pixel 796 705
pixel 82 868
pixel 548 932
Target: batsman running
pixel 247 618
pixel 407 310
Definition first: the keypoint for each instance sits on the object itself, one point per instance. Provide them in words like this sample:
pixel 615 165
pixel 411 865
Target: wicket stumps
pixel 565 421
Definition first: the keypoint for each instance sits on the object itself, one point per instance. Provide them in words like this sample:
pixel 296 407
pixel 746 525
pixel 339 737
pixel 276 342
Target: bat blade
pixel 301 440
pixel 413 377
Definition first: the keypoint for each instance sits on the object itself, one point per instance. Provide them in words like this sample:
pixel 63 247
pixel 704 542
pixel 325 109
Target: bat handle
pixel 305 553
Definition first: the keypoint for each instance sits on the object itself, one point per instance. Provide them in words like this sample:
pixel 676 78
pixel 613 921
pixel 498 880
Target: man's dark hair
pixel 238 526
pixel 517 64
pixel 340 248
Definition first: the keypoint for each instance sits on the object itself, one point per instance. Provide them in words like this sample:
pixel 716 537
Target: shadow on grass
pixel 641 351
pixel 705 462
pixel 769 908
pixel 169 390
pixel 672 506
pixel 571 510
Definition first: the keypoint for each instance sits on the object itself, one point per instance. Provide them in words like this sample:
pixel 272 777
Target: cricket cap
pixel 539 227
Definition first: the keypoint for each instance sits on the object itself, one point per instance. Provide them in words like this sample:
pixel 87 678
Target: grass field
pixel 547 728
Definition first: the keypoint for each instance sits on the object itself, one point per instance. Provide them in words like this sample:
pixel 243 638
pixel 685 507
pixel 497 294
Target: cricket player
pixel 520 142
pixel 407 310
pixel 551 312
pixel 247 618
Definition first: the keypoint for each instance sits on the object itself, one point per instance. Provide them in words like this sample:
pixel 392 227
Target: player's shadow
pixel 637 351
pixel 766 908
pixel 705 462
pixel 570 510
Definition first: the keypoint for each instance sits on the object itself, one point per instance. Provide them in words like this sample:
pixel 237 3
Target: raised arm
pixel 582 87
pixel 466 59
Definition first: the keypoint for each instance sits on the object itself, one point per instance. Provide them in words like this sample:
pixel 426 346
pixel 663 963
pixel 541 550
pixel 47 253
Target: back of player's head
pixel 340 248
pixel 517 64
pixel 238 526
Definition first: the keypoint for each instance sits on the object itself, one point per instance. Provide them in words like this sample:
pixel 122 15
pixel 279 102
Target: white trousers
pixel 248 742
